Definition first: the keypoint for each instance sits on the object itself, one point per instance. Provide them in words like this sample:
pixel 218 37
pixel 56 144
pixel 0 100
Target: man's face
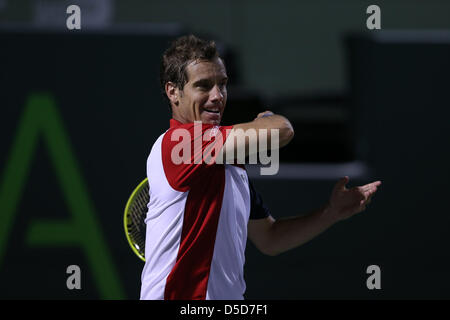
pixel 204 96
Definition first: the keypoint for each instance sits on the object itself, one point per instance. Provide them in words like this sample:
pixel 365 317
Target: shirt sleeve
pixel 258 209
pixel 189 151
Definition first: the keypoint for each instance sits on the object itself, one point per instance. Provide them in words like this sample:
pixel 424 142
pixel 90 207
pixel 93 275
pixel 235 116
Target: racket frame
pixel 125 218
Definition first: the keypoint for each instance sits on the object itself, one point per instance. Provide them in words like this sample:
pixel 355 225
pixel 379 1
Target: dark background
pixel 370 104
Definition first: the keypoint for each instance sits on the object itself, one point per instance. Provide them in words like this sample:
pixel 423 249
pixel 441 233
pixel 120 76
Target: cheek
pixel 192 100
pixel 201 99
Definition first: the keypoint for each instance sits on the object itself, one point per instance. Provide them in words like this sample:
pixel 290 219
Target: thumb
pixel 342 182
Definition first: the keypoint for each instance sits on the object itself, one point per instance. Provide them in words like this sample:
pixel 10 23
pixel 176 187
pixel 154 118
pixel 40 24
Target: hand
pixel 264 114
pixel 345 203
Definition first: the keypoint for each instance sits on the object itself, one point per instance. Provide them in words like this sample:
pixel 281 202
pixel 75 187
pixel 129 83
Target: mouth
pixel 212 115
pixel 215 111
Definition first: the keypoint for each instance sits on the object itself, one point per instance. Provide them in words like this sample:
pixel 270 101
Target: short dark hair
pixel 181 52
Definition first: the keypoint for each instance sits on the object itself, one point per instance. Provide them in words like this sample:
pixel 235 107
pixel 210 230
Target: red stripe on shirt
pixel 188 279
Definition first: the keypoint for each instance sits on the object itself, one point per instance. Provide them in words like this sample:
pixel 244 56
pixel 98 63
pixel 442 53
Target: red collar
pixel 175 123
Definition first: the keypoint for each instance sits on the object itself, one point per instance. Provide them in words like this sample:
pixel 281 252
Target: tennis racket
pixel 134 216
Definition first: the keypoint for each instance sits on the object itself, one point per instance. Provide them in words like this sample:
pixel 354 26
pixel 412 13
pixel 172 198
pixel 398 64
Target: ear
pixel 172 92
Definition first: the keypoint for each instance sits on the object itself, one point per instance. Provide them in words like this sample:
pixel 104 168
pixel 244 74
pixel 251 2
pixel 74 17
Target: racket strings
pixel 136 219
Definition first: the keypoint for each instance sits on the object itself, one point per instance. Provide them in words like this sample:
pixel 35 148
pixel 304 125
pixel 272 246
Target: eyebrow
pixel 207 81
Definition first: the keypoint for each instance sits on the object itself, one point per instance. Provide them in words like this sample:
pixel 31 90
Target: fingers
pixel 264 114
pixel 366 201
pixel 371 185
pixel 366 192
pixel 369 189
pixel 359 196
pixel 364 189
pixel 369 192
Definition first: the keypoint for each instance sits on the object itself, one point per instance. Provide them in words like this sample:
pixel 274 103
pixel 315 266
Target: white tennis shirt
pixel 196 221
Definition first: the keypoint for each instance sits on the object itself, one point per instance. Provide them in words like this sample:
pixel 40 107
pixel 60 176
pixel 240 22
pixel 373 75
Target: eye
pixel 203 86
pixel 223 85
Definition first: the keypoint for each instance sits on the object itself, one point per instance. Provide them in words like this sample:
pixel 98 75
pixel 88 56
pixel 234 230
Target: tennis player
pixel 200 214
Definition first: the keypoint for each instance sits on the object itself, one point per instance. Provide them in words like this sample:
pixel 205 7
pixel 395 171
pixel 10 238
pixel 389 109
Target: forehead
pixel 201 69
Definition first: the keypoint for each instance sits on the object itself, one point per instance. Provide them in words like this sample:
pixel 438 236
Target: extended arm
pixel 272 236
pixel 276 236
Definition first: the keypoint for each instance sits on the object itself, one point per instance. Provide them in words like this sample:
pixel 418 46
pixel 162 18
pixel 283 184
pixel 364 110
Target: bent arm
pixel 246 137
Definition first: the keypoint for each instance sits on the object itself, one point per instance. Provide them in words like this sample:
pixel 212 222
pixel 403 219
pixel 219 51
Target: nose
pixel 216 94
